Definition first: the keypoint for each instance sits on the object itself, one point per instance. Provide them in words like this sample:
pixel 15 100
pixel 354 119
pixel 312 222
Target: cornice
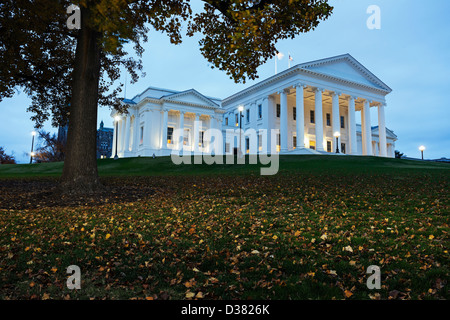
pixel 144 101
pixel 191 91
pixel 297 70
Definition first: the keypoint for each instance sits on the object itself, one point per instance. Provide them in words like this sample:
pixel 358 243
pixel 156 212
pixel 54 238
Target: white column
pixel 206 143
pixel 363 133
pixel 367 128
pixel 127 133
pixel 147 143
pixel 319 119
pixel 283 121
pixel 266 117
pixel 136 131
pixel 114 139
pixel 121 135
pixel 213 124
pixel 382 130
pixel 197 125
pixel 164 129
pixel 300 115
pixel 336 118
pixel 181 127
pixel 352 126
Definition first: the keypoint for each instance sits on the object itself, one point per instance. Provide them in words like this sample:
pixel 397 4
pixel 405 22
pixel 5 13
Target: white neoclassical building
pixel 311 108
pixel 148 128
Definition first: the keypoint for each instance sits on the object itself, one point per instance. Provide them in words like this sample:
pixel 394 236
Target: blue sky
pixel 410 53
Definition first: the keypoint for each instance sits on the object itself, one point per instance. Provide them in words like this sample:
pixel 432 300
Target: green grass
pixel 229 233
pixel 143 166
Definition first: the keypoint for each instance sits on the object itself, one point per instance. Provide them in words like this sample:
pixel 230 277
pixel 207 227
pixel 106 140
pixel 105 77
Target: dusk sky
pixel 410 53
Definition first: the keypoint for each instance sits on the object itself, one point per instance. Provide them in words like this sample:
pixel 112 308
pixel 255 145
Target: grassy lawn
pixel 225 232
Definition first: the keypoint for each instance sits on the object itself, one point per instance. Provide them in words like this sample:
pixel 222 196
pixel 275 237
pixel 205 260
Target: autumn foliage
pixel 291 236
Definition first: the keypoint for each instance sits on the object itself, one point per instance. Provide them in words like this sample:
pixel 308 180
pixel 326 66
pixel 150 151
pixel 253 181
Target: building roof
pixel 342 69
pixel 161 94
pixel 346 58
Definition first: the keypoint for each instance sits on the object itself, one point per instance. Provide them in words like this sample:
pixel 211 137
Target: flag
pixel 290 59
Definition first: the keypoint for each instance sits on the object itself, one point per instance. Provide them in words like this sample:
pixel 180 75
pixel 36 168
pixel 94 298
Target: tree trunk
pixel 80 173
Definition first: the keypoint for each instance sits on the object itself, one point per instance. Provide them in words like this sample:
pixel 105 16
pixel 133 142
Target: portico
pixel 311 102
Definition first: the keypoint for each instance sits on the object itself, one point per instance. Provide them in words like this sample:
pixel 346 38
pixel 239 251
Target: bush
pixel 5 158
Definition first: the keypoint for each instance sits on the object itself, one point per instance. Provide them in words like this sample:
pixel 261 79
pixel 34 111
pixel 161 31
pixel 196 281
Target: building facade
pixel 104 141
pixel 148 128
pixel 311 108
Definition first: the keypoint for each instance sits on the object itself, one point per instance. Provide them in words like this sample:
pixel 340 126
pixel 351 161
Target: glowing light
pixel 337 134
pixel 422 148
pixel 280 55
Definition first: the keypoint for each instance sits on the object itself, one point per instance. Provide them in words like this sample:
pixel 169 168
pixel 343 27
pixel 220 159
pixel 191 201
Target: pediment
pixel 389 133
pixel 190 97
pixel 347 68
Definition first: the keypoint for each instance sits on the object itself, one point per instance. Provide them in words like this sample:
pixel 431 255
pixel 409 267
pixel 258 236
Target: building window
pixel 248 115
pixel 312 144
pixel 328 120
pixel 342 122
pixel 278 110
pixel 247 145
pixel 141 135
pixel 169 135
pixel 260 146
pixel 294 113
pixel 312 116
pixel 328 146
pixel 201 139
pixel 227 148
pixel 278 142
pixel 237 119
pixel 294 142
pixel 343 148
pixel 186 135
pixel 226 121
pixel 259 111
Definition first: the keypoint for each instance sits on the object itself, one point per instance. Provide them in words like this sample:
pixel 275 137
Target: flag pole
pixel 276 57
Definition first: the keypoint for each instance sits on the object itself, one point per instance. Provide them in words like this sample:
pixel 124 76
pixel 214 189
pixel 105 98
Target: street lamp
pixel 117 118
pixel 422 148
pixel 241 109
pixel 33 133
pixel 337 135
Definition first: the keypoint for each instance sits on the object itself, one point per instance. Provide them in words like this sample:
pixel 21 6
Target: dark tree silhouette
pixel 68 73
pixel 5 158
pixel 49 149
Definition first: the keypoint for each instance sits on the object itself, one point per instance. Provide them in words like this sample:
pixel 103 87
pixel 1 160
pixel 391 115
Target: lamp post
pixel 241 109
pixel 117 118
pixel 32 147
pixel 337 135
pixel 422 148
